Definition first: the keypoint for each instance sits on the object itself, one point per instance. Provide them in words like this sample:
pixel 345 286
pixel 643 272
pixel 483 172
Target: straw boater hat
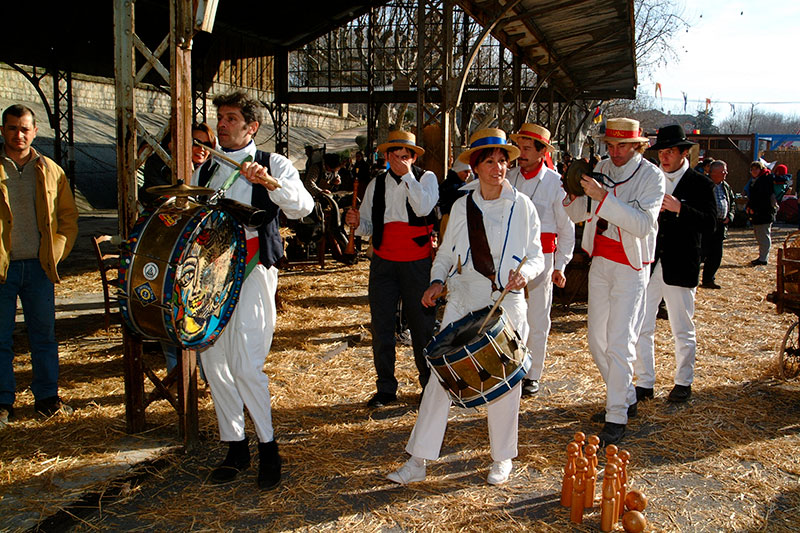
pixel 535 132
pixel 401 139
pixel 624 130
pixel 489 138
pixel 671 137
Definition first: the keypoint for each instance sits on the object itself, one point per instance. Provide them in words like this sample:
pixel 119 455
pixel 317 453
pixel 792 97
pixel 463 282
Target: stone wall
pixel 98 93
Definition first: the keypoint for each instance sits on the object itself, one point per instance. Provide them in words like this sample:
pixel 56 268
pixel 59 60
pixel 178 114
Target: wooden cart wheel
pixel 789 362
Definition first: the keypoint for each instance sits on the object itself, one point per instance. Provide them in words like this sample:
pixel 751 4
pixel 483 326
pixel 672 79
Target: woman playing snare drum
pixel 476 270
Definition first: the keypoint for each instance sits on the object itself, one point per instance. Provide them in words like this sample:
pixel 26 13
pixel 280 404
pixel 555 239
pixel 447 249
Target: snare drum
pixel 478 369
pixel 181 272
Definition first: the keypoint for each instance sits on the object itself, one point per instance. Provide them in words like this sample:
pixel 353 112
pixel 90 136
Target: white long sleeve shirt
pixel 547 194
pixel 292 197
pixel 631 209
pixel 422 196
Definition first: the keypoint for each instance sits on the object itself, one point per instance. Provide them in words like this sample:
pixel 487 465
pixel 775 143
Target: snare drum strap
pixel 481 254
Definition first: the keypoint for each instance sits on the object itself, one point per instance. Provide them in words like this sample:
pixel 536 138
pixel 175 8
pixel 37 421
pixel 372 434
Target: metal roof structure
pixel 583 48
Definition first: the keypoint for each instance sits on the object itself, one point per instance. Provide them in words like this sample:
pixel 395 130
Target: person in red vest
pixel 397 213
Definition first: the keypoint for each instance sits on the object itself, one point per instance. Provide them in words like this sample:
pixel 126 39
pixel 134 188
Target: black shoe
pixel 52 405
pixel 530 387
pixel 633 410
pixel 756 262
pixel 643 393
pixel 269 466
pixel 238 459
pixel 680 393
pixel 381 399
pixel 612 433
pixel 710 285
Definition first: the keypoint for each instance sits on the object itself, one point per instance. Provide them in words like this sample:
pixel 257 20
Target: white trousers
pixel 234 364
pixel 540 301
pixel 680 307
pixel 503 414
pixel 616 304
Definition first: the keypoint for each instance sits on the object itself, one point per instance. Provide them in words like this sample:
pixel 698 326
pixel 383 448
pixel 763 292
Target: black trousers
pixel 390 282
pixel 712 251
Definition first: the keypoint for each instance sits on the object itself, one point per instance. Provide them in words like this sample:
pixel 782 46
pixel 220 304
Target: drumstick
pixel 502 295
pixel 269 179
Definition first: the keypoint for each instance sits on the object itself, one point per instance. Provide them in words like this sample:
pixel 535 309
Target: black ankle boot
pixel 269 468
pixel 238 459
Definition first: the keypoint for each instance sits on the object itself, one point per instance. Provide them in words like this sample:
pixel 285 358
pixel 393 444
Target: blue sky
pixel 736 51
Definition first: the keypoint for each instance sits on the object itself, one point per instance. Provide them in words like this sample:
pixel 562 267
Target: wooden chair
pixel 106 262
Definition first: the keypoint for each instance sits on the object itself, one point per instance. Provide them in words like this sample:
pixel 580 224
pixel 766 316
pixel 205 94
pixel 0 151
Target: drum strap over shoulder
pixel 478 243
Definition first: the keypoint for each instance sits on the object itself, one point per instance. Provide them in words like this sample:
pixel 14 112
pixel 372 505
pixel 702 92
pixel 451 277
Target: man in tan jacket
pixel 38 227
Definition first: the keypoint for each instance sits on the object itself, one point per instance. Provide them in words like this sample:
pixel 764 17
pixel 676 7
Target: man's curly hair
pixel 251 108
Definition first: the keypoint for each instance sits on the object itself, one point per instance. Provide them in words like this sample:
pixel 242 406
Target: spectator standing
pixel 761 207
pixel 726 210
pixel 38 227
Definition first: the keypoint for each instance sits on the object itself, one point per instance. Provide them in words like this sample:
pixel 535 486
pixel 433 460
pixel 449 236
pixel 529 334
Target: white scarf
pixel 674 177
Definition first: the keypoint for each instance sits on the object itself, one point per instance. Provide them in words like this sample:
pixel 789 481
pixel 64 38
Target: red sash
pixel 549 243
pixel 610 249
pixel 401 242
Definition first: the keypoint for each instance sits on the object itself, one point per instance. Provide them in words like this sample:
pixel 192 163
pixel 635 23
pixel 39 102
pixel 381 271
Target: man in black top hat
pixel 687 212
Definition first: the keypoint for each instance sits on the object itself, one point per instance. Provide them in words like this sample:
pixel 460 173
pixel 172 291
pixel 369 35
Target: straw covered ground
pixel 726 461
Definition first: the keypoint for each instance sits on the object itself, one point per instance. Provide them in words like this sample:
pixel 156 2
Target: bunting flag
pixel 708 103
pixel 685 97
pixel 658 90
pixel 597 118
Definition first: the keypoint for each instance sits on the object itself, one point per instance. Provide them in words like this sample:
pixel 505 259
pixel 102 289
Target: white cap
pixel 460 166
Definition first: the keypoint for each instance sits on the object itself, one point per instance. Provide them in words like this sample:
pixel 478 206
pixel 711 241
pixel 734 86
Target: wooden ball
pixel 635 501
pixel 634 522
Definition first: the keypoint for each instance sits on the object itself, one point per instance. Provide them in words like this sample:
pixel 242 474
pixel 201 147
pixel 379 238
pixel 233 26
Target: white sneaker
pixel 499 472
pixel 408 473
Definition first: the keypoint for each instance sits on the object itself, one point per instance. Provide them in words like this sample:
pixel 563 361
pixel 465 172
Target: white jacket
pixel 547 194
pixel 631 209
pixel 512 229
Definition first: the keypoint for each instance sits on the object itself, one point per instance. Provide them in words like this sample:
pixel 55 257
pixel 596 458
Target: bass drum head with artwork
pixel 181 273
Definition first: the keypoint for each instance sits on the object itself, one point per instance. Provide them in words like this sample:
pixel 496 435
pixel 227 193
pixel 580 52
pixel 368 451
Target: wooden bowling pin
pixel 591 475
pixel 579 439
pixel 569 475
pixel 623 457
pixel 608 510
pixel 579 490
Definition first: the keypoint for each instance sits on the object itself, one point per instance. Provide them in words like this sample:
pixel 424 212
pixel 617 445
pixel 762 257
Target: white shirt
pixel 292 197
pixel 547 194
pixel 422 196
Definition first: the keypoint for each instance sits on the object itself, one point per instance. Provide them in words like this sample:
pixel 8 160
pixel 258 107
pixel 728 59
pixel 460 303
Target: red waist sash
pixel 401 242
pixel 610 249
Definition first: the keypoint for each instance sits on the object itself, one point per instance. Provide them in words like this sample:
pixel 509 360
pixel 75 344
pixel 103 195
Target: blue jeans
pixel 27 279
